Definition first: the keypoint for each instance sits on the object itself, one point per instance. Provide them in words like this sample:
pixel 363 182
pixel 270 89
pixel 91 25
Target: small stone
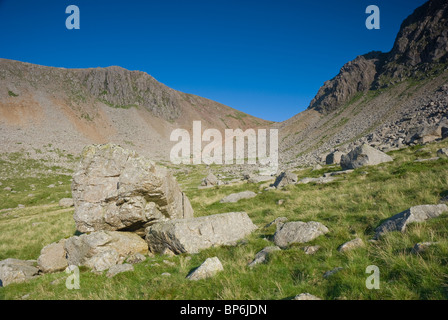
pixel 422 247
pixel 208 269
pixel 350 245
pixel 306 296
pixel 310 250
pixel 136 258
pixel 263 256
pixel 169 263
pixel 328 274
pixel 166 274
pixel 66 203
pixel 119 268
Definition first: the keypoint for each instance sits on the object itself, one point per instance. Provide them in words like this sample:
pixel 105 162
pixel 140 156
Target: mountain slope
pixel 378 97
pixel 69 108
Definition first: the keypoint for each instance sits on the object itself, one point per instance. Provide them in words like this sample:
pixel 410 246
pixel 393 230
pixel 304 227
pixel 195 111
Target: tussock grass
pixel 352 206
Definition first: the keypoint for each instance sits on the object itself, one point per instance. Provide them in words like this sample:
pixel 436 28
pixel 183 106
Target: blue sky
pixel 266 58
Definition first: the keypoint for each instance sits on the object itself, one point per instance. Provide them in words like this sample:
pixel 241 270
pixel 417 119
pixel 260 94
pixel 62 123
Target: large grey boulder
pixel 115 189
pixel 414 214
pixel 103 249
pixel 208 269
pixel 235 197
pixel 194 234
pixel 16 271
pixel 298 232
pixel 424 134
pixel 285 178
pixel 53 258
pixel 363 155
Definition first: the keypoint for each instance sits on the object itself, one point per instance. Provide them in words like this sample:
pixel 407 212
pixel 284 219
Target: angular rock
pixel 114 189
pixel 66 203
pixel 53 258
pixel 210 180
pixel 363 155
pixel 263 256
pixel 320 180
pixel 442 153
pixel 415 214
pixel 350 245
pixel 285 178
pixel 422 135
pixel 208 269
pixel 298 232
pixel 334 158
pixel 192 235
pixel 16 271
pixel 235 197
pixel 102 249
pixel 278 222
pixel 306 296
pixel 119 268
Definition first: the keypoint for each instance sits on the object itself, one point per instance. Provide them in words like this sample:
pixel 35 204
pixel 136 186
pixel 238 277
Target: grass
pixel 352 206
pixel 12 94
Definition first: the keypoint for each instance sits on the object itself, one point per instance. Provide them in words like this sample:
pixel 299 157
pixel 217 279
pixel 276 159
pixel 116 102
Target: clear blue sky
pixel 266 58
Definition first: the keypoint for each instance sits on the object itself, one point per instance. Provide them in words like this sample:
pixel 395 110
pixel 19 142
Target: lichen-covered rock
pixel 16 271
pixel 363 155
pixel 53 258
pixel 194 234
pixel 102 249
pixel 115 189
pixel 208 269
pixel 298 232
pixel 400 221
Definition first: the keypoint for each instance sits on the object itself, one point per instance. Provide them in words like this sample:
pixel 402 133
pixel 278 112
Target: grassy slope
pixel 350 207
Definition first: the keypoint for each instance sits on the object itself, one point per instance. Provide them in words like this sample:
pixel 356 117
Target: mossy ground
pixel 353 206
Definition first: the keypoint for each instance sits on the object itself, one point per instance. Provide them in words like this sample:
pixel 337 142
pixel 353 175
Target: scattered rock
pixel 280 202
pixel 102 249
pixel 258 179
pixel 278 221
pixel 263 256
pixel 426 160
pixel 306 296
pixel 363 155
pixel 285 178
pixel 169 263
pixel 66 203
pixel 53 258
pixel 136 258
pixel 414 214
pixel 115 189
pixel 16 271
pixel 442 153
pixel 321 180
pixel 192 235
pixel 210 181
pixel 208 269
pixel 310 250
pixel 51 186
pixel 8 189
pixel 328 274
pixel 337 173
pixel 350 245
pixel 422 247
pixel 235 197
pixel 21 206
pixel 119 268
pixel 166 274
pixel 298 232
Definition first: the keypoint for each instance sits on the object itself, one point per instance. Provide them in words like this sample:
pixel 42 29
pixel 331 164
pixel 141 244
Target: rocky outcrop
pixel 16 271
pixel 363 156
pixel 195 234
pixel 298 232
pixel 103 249
pixel 115 189
pixel 400 221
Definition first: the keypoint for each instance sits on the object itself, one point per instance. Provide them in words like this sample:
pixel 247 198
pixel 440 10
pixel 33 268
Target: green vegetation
pixel 12 94
pixel 353 206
